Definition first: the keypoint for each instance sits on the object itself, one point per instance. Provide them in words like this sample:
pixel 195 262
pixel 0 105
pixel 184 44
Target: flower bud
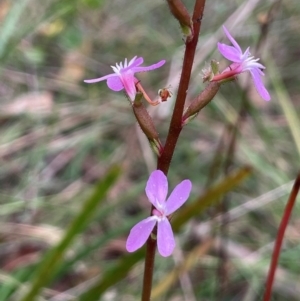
pixel 180 12
pixel 146 123
pixel 200 102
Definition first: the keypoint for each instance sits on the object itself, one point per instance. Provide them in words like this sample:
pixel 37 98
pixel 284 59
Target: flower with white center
pixel 156 190
pixel 123 76
pixel 241 62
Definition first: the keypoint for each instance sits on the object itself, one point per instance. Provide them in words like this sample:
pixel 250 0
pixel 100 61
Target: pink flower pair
pixel 123 76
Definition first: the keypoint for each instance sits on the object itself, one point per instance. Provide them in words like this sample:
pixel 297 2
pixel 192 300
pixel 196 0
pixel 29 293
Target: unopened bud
pixel 146 123
pixel 200 102
pixel 180 12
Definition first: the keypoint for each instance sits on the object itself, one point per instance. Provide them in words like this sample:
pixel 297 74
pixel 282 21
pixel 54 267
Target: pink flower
pixel 242 62
pixel 156 190
pixel 123 76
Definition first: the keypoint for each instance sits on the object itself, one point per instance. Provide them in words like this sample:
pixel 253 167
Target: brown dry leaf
pixel 30 103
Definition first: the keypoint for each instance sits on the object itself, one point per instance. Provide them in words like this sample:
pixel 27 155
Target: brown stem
pixel 174 130
pixel 175 125
pixel 148 270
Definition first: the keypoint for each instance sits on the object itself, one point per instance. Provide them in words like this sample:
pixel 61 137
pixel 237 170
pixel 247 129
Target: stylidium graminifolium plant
pixel 124 78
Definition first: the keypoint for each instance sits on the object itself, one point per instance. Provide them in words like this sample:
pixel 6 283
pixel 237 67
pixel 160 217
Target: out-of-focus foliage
pixel 59 137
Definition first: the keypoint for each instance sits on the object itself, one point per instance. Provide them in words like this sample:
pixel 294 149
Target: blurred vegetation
pixel 60 138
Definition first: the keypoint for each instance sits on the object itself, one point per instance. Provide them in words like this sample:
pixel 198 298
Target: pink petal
pixel 132 60
pixel 128 82
pixel 157 188
pixel 139 233
pixel 254 65
pixel 232 40
pixel 133 63
pixel 165 238
pixel 95 80
pixel 246 54
pixel 115 83
pixel 229 52
pixel 148 68
pixel 178 196
pixel 263 92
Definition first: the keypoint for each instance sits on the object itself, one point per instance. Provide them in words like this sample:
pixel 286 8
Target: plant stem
pixel 148 270
pixel 176 121
pixel 276 252
pixel 164 161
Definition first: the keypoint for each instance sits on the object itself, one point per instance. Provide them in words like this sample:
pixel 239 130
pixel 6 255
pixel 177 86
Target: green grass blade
pixel 54 257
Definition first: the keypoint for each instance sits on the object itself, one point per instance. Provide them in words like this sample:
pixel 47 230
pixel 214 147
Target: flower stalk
pixel 164 160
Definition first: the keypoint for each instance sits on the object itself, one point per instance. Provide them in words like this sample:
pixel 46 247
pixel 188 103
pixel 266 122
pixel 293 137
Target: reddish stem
pixel 279 238
pixel 224 75
pixel 174 131
pixel 142 90
pixel 148 270
pixel 188 60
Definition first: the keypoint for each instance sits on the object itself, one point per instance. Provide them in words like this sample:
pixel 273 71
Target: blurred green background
pixel 60 136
